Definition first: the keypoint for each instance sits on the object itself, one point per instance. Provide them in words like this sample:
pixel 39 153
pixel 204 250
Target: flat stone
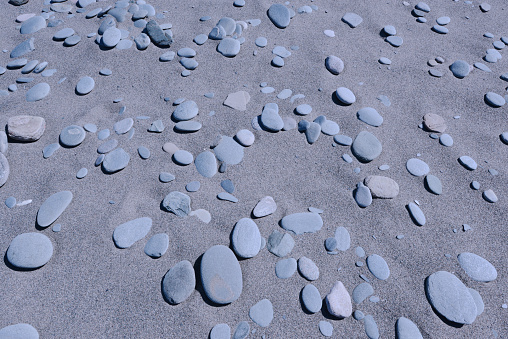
pixel 262 313
pixel 271 120
pixel 229 151
pixel 279 15
pixel 343 239
pixel 395 41
pixel 63 34
pixel 142 41
pixel 82 173
pixel 264 207
pixel 417 167
pixel 107 146
pixel 228 186
pixel 352 19
pixel 338 301
pixel 179 282
pixel 23 48
pixel 29 67
pixel 460 69
pixel 220 331
pixel 237 100
pixel 489 196
pixel 72 136
pixel 183 158
pixel 343 140
pixel 326 328
pixel 123 126
pixel 280 244
pixel 345 95
pixel 245 137
pixel 132 231
pixel 494 99
pixel 33 25
pixel 308 269
pixel 371 329
pixel 38 92
pixel 193 186
pixel 366 147
pixel 434 123
pixel 156 127
pixel 378 267
pixel 50 149
pixel 189 64
pixel 19 331
pixel 206 164
pixel 85 85
pixel 468 162
pixel 29 250
pixel 186 111
pixel 25 127
pixel 416 214
pixel 480 306
pixel 433 184
pixel 53 207
pixel 229 47
pixel 178 203
pixel 242 330
pixel 111 37
pixel 157 35
pixel 221 275
pixel 115 161
pixel 389 30
pixel 187 126
pixel 227 196
pixel 450 297
pixel 245 238
pixel 334 64
pixel 382 187
pixel 300 223
pixel 476 267
pixel 406 329
pixel 446 140
pixel 362 292
pixel 370 116
pixel 362 195
pixel 311 298
pixel 285 268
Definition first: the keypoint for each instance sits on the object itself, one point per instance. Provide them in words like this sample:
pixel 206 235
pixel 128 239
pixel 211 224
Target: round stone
pixel 303 109
pixel 111 37
pixel 220 331
pixel 476 267
pixel 85 85
pixel 366 147
pixel 417 167
pixel 245 137
pixel 229 47
pixel 115 161
pixel 186 111
pixel 308 269
pixel 179 283
pixel 494 99
pixel 378 267
pixel 334 64
pixel 157 245
pixel 345 95
pixel 206 164
pixel 29 250
pixel 460 68
pixel 311 298
pixel 72 136
pixel 19 331
pixel 229 151
pixel 183 158
pixel 246 239
pixel 285 268
pixel 38 92
pixel 389 30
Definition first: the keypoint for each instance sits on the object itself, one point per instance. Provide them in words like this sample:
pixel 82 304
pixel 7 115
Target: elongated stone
pixel 300 223
pixel 406 329
pixel 53 207
pixel 476 267
pixel 416 214
pixel 132 231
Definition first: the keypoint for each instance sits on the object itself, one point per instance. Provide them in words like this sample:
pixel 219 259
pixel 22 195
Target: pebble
pixel 200 39
pixel 82 173
pixel 329 127
pixel 29 67
pixel 228 197
pixel 115 161
pixel 485 7
pixel 107 146
pixel 279 15
pixel 436 73
pixel 72 136
pixel 299 223
pixel 343 140
pixel 228 186
pixel 183 158
pixel 103 134
pixel 187 126
pixel 303 109
pixel 85 85
pixel 406 329
pixel 19 331
pixel 123 126
pixel 440 29
pixel 362 292
pixel 345 95
pixel 384 61
pixel 308 269
pixel 53 207
pixel 358 315
pixel 476 267
pixel 480 306
pixel 395 41
pixel 220 331
pixel 378 267
pixel 417 167
pixel 264 207
pixel 49 150
pixel 18 63
pixel 126 234
pixel 446 140
pixel 229 47
pixel 202 215
pixel 10 202
pixel 334 64
pixel 157 35
pixel 326 328
pixel 434 123
pixel 262 313
pixel 189 64
pixel 371 328
pixel 38 92
pixel 494 99
pixel 382 187
pixel 261 42
pixel 285 268
pixel 246 239
pixel 370 116
pixel 280 244
pixel 416 214
pixel 366 147
pixel 25 128
pixel 450 297
pixel 178 203
pixel 242 330
pixel 29 251
pixel 312 132
pixel 229 151
pixel 90 128
pixel 311 299
pixel 157 245
pixel 23 48
pixel 389 30
pixel 206 164
pixel 489 196
pixel 221 275
pixel 290 123
pixel 237 100
pixel 362 195
pixel 433 184
pixel 33 25
pixel 245 137
pixel 179 282
pixel 460 69
pixel 338 301
pixel 144 152
pixel 352 19
pixel 142 41
pixel 185 111
pixel 193 186
pixel 468 162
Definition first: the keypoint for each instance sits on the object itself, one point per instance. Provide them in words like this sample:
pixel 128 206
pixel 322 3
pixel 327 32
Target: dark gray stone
pixel 178 203
pixel 179 282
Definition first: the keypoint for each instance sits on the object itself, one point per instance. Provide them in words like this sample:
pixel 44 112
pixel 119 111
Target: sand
pixel 91 289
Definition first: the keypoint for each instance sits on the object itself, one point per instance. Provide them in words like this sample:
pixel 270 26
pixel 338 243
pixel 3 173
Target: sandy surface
pixel 91 289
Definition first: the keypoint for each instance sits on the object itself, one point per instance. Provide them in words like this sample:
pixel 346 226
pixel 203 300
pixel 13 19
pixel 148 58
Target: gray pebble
pixel 345 95
pixel 370 116
pixel 366 147
pixel 490 196
pixel 476 267
pixel 85 85
pixel 311 298
pixel 416 214
pixel 228 197
pixel 433 184
pixel 242 330
pixel 343 140
pixel 285 268
pixel 245 238
pixel 38 92
pixel 362 292
pixel 417 167
pixel 115 161
pixel 107 146
pixel 279 15
pixel 166 177
pixel 123 126
pixel 262 313
pixel 144 152
pixel 82 173
pixel 308 269
pixel 352 19
pixel 494 99
pixel 406 329
pixel 157 245
pixel 29 251
pixel 280 244
pixel 10 202
pixel 177 203
pixel 179 282
pixel 299 223
pixel 378 267
pixel 468 162
pixel 395 41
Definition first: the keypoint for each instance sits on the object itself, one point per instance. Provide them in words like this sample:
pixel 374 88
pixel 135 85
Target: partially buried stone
pixel 382 187
pixel 32 25
pixel 468 162
pixel 417 167
pixel 460 69
pixel 23 48
pixel 434 123
pixel 221 275
pixel 229 47
pixel 343 140
pixel 494 99
pixel 450 297
pixel 264 207
pixel 111 37
pixel 362 292
pixel 53 207
pixel 312 132
pixel 262 313
pixel 142 41
pixel 228 197
pixel 279 15
pixel 242 330
pixel 29 251
pixel 37 92
pixel 395 41
pixel 490 196
pixel 72 136
pixel 220 331
pixel 177 203
pixel 130 232
pixel 362 195
pixel 285 268
pixel 280 244
pixel 123 126
pixel 187 126
pixel 179 282
pixel 371 328
pixel 406 329
pixel 186 111
pixel 115 161
pixel 156 127
pixel 311 298
pixel 308 269
pixel 206 164
pixel 433 184
pixel 85 85
pixel 144 152
pixel 352 19
pixel 245 137
pixel 49 150
pixel 107 146
pixel 300 223
pixel 157 35
pixel 229 151
pixel 476 267
pixel 446 140
pixel 370 116
pixel 366 147
pixel 338 301
pixel 193 186
pixel 334 64
pixel 19 331
pixel 228 186
pixel 416 214
pixel 326 328
pixel 10 202
pixel 245 238
pixel 378 267
pixel 271 120
pixel 237 100
pixel 25 127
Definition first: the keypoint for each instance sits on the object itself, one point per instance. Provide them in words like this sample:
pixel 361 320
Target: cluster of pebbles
pixel 220 269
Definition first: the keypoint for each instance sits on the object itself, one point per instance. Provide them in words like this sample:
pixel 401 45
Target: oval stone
pixel 229 151
pixel 362 292
pixel 128 233
pixel 229 47
pixel 85 85
pixel 221 275
pixel 53 207
pixel 111 37
pixel 334 64
pixel 246 239
pixel 115 161
pixel 311 298
pixel 460 68
pixel 4 169
pixel 433 184
pixel 378 267
pixel 370 116
pixel 406 329
pixel 494 99
pixel 366 147
pixel 279 15
pixel 179 282
pixel 416 214
pixel 32 25
pixel 183 158
pixel 417 167
pixel 157 245
pixel 476 267
pixel 300 223
pixel 72 136
pixel 345 95
pixel 285 268
pixel 19 331
pixel 186 111
pixel 38 92
pixel 26 127
pixel 30 250
pixel 382 187
pixel 206 164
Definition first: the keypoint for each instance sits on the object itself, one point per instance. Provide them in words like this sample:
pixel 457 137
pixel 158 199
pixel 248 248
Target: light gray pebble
pixel 280 244
pixel 157 245
pixel 228 197
pixel 311 298
pixel 82 173
pixel 366 147
pixel 370 116
pixel 85 85
pixel 123 126
pixel 352 19
pixel 29 251
pixel 115 161
pixel 345 95
pixel 144 152
pixel 490 196
pixel 262 313
pixel 179 282
pixel 395 41
pixel 166 177
pixel 308 269
pixel 417 167
pixel 468 162
pixel 416 214
pixel 343 140
pixel 285 268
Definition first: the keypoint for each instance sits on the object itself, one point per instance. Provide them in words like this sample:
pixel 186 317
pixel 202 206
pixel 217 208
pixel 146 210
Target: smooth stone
pixel 406 329
pixel 33 25
pixel 242 330
pixel 29 67
pixel 450 297
pixel 303 109
pixel 217 33
pixel 10 202
pixel 200 39
pixel 343 239
pixel 382 187
pixel 179 282
pixel 433 184
pixel 480 306
pixel 476 267
pixel 92 128
pixel 111 37
pixel 38 92
pixel 49 150
pixel 280 244
pixel 53 207
pixel 82 173
pixel 29 251
pixel 284 94
pixel 443 20
pixel 417 167
pixel 366 147
pixel 23 48
pixel 103 134
pixel 485 7
pixel 157 245
pixel 229 47
pixel 311 298
pixel 475 185
pixel 277 61
pixel 186 111
pixel 144 152
pixel 115 161
pixel 25 128
pixel 460 69
pixel 352 19
pixel 378 267
pixel 72 136
pixel 237 100
pixel 19 331
pixel 384 61
pixel 178 203
pixel 370 116
pixel 221 275
pixel 436 73
pixel 326 328
pixel 271 120
pixel 312 132
pixel 170 148
pixel 343 140
pixel 434 123
pixel 63 34
pixel 389 30
pixel 168 56
pixel 416 214
pixel 18 63
pixel 334 64
pixel 338 301
pixel 132 231
pixel 330 244
pixel 279 15
pixel 440 29
pixel 193 186
pixel 329 127
pixel 229 151
pixel 285 268
pixel 371 328
pixel 123 126
pixel 308 269
pixel 157 35
pixel 220 331
pixel 362 195
pixel 85 85
pixel 183 158
pixel 142 41
pixel 262 313
pixel 228 24
pixel 202 215
pixel 494 99
pixel 107 146
pixel 189 64
pixel 246 239
pixel 245 137
pixel 290 123
pixel 489 196
pixel 188 126
pixel 362 292
pixel 228 186
pixel 206 164
pixel 345 95
pixel 261 42
pixel 299 223
pixel 264 207
pixel 228 197
pixel 395 41
pixel 468 162
pixel 4 144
